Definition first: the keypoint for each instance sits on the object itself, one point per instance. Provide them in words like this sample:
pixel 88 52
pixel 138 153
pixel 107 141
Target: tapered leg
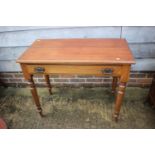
pixel 35 95
pixel 48 83
pixel 119 98
pixel 114 84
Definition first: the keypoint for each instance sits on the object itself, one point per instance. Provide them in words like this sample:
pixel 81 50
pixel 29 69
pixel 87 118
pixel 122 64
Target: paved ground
pixel 75 108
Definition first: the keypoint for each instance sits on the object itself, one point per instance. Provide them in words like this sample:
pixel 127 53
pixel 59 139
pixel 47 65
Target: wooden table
pixel 99 57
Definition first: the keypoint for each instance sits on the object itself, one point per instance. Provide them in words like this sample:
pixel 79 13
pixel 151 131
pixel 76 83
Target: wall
pixel 14 40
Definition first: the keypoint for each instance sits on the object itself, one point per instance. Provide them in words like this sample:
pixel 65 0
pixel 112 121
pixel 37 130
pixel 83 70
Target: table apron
pixel 98 70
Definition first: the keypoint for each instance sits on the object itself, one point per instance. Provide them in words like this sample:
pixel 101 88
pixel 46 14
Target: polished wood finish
pixel 99 57
pixel 77 51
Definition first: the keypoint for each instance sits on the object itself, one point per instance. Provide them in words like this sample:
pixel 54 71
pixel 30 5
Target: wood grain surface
pixel 78 51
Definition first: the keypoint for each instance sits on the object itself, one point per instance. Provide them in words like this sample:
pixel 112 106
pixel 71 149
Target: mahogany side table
pixel 99 57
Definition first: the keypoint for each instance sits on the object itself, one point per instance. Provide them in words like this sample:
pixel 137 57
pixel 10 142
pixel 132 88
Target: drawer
pixel 99 70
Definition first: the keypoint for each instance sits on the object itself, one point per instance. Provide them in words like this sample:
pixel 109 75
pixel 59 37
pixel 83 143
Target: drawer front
pixel 110 70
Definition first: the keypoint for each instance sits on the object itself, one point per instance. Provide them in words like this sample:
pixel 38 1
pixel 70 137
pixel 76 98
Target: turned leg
pixel 35 95
pixel 48 83
pixel 119 98
pixel 114 84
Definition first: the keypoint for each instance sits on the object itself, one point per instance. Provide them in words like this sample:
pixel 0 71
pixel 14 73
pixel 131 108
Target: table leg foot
pixel 40 112
pixel 115 117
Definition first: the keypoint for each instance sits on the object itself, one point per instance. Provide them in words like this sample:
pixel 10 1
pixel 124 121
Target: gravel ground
pixel 75 108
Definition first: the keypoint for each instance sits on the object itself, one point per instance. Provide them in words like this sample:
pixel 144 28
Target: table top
pixel 78 51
